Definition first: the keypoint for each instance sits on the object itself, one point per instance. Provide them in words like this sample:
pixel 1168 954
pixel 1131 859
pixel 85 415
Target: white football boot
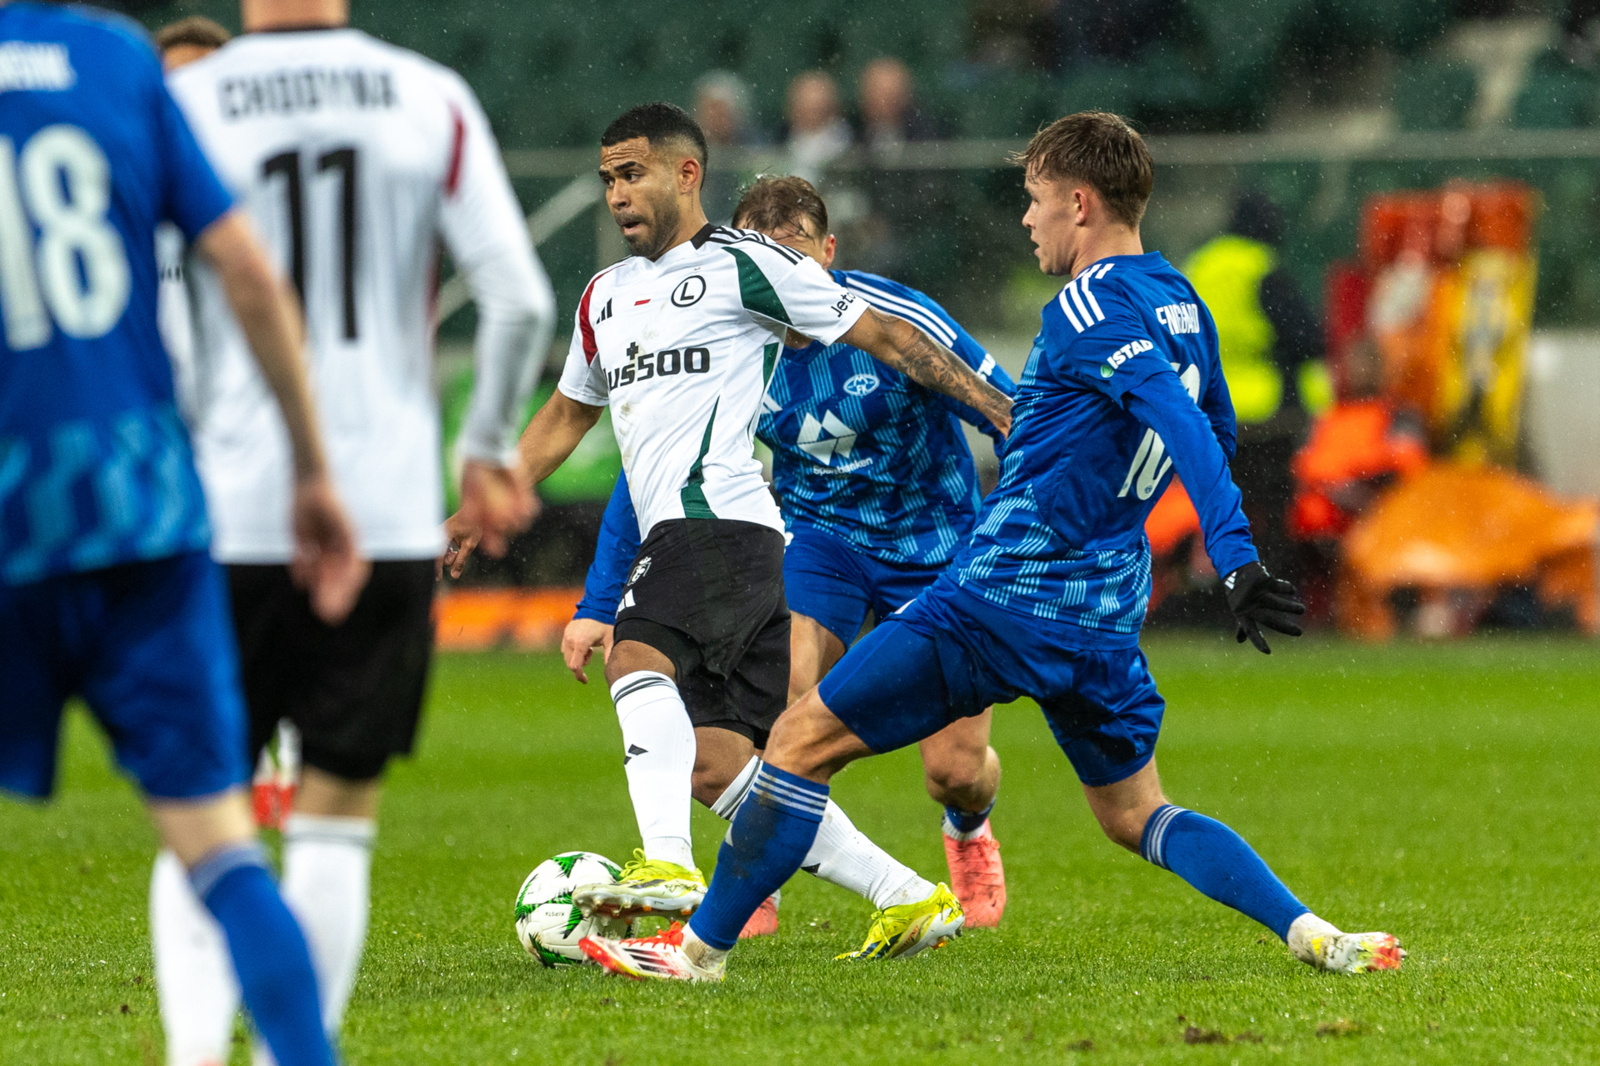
pixel 1322 945
pixel 660 957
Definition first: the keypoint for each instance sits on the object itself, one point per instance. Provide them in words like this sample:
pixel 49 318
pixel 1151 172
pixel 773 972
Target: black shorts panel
pixel 708 594
pixel 354 690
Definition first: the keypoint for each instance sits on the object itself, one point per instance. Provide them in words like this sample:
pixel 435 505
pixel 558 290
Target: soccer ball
pixel 549 924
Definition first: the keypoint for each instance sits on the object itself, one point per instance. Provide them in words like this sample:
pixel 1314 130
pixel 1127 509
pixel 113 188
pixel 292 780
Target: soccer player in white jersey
pixel 680 340
pixel 356 159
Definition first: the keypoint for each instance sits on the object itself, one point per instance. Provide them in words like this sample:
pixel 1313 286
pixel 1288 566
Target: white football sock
pixel 327 873
pixel 842 855
pixel 700 953
pixel 659 748
pixel 1301 932
pixel 195 982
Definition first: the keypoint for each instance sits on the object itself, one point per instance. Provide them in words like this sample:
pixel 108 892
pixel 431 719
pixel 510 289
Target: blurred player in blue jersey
pixel 878 491
pixel 106 588
pixel 1123 386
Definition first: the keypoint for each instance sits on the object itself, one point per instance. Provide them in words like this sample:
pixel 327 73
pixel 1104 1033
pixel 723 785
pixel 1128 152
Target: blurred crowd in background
pixel 1377 313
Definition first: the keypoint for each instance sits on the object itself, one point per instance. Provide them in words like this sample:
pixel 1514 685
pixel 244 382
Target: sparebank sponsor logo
pixel 826 439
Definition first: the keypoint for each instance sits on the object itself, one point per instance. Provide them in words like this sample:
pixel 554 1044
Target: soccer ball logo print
pixel 549 924
pixel 689 291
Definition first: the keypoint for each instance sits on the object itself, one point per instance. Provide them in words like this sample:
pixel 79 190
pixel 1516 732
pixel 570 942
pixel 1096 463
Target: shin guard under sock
pixel 771 833
pixel 1218 863
pixel 269 953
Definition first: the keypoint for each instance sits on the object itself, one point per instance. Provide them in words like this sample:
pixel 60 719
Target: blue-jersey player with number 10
pixel 106 587
pixel 1123 386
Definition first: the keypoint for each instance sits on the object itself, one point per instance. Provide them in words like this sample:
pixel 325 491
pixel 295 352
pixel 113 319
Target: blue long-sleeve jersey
pixel 859 450
pixel 1123 385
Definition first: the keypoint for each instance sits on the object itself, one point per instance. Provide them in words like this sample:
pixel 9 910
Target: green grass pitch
pixel 1444 793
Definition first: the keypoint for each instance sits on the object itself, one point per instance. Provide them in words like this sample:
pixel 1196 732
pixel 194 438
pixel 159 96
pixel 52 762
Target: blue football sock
pixel 269 953
pixel 957 820
pixel 1217 861
pixel 775 827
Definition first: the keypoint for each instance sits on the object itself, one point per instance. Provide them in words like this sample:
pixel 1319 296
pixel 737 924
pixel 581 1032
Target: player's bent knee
pixel 953 776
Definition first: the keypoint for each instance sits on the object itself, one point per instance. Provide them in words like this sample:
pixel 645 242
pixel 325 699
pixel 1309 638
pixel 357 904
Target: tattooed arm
pixel 897 343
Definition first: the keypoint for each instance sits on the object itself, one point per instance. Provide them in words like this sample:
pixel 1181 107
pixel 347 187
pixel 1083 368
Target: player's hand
pixel 495 506
pixel 325 562
pixel 495 500
pixel 582 637
pixel 462 538
pixel 1258 599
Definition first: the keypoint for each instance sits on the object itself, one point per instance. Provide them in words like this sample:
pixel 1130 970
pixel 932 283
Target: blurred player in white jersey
pixel 356 159
pixel 680 340
pixel 179 44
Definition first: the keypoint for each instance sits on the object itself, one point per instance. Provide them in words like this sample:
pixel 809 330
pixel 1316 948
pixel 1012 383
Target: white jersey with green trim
pixel 681 348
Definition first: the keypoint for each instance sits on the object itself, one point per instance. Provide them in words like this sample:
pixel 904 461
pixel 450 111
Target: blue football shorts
pixel 836 585
pixel 150 648
pixel 950 654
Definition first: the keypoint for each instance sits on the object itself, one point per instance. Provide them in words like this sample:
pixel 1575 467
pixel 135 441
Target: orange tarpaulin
pixel 1460 527
pixel 1354 442
pixel 1171 520
pixel 474 619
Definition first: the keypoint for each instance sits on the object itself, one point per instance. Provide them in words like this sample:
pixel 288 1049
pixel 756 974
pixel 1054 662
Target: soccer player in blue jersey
pixel 1123 386
pixel 106 588
pixel 878 491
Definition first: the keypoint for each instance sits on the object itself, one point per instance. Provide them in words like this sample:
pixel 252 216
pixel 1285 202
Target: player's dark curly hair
pixel 657 122
pixel 1100 149
pixel 773 203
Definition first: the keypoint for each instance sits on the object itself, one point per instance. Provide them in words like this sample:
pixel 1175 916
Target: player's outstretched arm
pixel 549 438
pixel 1256 597
pixel 325 561
pixel 897 343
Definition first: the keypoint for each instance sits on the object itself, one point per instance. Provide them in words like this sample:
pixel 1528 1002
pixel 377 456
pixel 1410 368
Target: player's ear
pixel 829 247
pixel 690 175
pixel 1081 200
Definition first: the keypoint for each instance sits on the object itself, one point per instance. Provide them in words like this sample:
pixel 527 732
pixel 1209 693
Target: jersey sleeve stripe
pixel 1077 300
pixel 458 142
pixel 1083 283
pixel 1061 298
pixel 756 292
pixel 907 309
pixel 728 237
pixel 586 327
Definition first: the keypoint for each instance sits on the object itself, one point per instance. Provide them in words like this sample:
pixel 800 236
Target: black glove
pixel 1258 599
